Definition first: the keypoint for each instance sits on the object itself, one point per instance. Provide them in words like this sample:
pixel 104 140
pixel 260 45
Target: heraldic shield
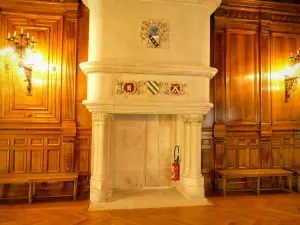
pixel 152 87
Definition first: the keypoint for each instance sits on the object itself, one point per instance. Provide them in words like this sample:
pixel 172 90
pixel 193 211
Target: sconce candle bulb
pixel 21 46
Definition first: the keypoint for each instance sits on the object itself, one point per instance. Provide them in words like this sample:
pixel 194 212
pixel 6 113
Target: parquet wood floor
pixel 266 209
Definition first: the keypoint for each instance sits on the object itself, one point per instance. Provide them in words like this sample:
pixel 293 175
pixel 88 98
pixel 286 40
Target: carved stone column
pixel 192 182
pixel 101 179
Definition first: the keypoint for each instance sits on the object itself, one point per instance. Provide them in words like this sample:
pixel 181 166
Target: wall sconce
pixel 28 76
pixel 291 80
pixel 22 47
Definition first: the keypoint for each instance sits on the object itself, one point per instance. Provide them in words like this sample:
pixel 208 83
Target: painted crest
pixel 154 37
pixel 155 34
pixel 153 87
pixel 175 89
pixel 129 87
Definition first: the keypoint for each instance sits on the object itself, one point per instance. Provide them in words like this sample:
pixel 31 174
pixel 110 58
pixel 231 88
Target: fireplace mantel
pixel 103 88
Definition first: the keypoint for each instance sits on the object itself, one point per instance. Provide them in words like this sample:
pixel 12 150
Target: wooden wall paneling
pixel 69 67
pixel 43 105
pixel 3 70
pixel 18 162
pixel 83 116
pixel 241 77
pixel 82 159
pixel 231 157
pixel 283 114
pixel 265 96
pixel 242 152
pixel 295 162
pixel 4 160
pixel 260 130
pixel 254 158
pixel 52 160
pixel 220 155
pixel 207 157
pixel 219 42
pixel 69 90
pixel 287 151
pixel 266 154
pixel 67 151
pixel 265 79
pixel 37 141
pixel 219 130
pixel 35 160
pixel 83 147
pixel 37 132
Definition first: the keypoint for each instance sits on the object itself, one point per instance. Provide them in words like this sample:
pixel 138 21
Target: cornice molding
pixel 51 129
pixel 138 68
pixel 262 4
pixel 258 10
pixel 145 107
pixel 34 6
pixel 84 129
pixel 212 5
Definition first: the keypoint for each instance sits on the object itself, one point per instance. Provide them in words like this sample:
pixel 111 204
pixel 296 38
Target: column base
pixel 191 187
pixel 101 190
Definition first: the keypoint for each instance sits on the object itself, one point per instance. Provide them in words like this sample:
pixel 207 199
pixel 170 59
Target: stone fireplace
pixel 148 90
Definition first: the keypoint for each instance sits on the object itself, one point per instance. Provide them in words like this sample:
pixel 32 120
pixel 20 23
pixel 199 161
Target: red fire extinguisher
pixel 175 164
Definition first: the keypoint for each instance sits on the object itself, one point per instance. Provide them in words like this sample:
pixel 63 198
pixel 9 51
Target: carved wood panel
pixel 241 76
pixel 207 158
pixel 282 112
pixel 237 153
pixel 43 105
pixel 51 160
pixel 219 79
pixel 18 160
pixel 82 158
pixel 24 154
pixel 4 160
pixel 35 160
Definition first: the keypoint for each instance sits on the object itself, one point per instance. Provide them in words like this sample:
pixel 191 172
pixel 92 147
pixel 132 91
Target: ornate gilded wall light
pixel 21 47
pixel 294 74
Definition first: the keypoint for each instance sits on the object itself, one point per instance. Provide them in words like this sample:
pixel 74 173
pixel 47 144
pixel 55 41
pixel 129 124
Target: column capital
pixel 100 117
pixel 193 119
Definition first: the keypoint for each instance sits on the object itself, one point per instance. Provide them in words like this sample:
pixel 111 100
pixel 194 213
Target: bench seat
pixel 33 178
pixel 257 173
pixel 296 171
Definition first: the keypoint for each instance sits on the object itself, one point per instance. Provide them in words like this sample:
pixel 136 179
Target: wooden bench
pixel 33 178
pixel 296 171
pixel 256 173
